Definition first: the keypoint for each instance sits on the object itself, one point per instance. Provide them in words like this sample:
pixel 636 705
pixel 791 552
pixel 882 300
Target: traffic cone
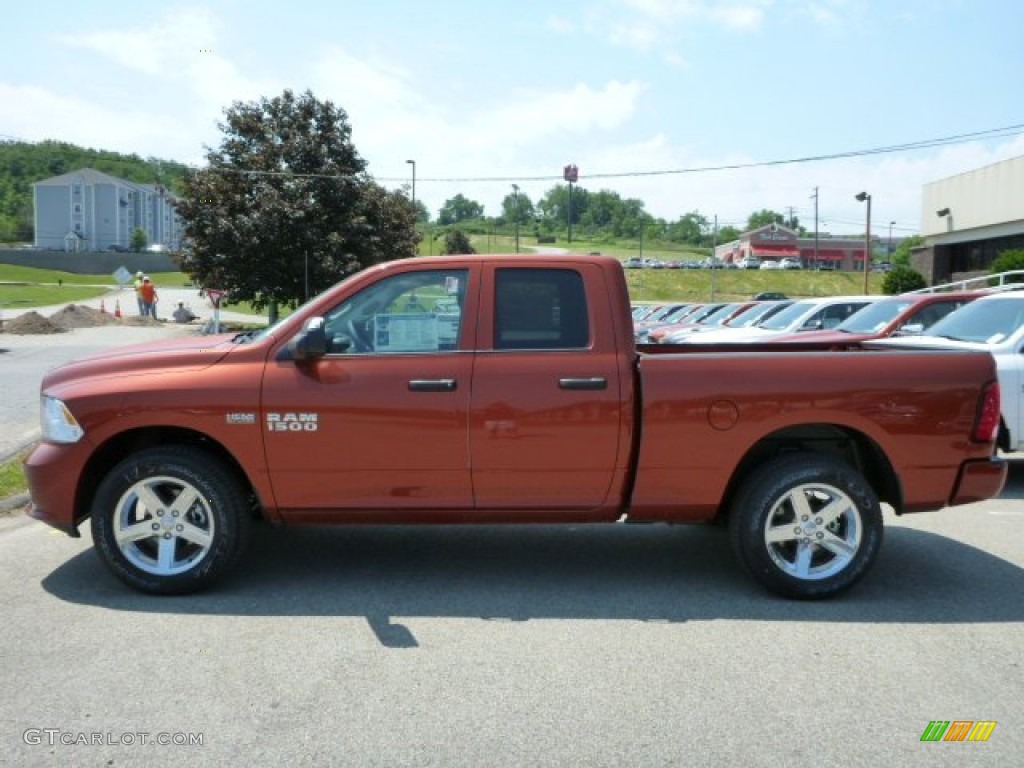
pixel 117 308
pixel 103 309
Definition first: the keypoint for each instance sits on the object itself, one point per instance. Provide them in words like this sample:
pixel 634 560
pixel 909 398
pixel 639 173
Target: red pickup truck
pixel 504 389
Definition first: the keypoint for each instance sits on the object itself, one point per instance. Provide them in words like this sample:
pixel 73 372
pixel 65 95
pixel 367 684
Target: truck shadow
pixel 522 573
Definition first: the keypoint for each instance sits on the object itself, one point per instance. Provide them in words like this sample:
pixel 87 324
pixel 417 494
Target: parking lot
pixel 550 646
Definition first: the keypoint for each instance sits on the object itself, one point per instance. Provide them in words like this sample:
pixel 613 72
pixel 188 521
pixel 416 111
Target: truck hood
pixel 193 353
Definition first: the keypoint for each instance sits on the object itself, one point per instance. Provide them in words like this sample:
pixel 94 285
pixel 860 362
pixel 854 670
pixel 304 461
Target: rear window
pixel 540 309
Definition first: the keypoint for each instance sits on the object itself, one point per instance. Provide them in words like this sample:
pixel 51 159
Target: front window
pixel 410 312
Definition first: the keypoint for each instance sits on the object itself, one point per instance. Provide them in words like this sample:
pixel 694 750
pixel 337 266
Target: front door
pixel 381 421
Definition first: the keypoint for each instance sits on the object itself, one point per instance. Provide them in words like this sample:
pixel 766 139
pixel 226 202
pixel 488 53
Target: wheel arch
pixel 107 455
pixel 855 448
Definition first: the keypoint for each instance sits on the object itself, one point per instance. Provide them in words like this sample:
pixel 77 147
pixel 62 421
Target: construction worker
pixel 149 297
pixel 138 292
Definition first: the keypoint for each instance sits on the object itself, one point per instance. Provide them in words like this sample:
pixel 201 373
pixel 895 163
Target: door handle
pixel 433 385
pixel 594 382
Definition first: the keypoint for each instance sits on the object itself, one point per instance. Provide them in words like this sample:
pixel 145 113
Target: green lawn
pixel 12 477
pixel 23 287
pixel 40 287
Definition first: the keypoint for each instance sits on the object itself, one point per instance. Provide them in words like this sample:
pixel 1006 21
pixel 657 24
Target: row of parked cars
pixel 986 319
pixel 750 262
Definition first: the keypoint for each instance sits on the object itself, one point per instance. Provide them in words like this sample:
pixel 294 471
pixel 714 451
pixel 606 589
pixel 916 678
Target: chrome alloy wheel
pixel 163 525
pixel 813 532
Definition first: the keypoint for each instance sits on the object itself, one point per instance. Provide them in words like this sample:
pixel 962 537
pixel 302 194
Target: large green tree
pixel 285 207
pixel 459 208
pixel 901 255
pixel 764 216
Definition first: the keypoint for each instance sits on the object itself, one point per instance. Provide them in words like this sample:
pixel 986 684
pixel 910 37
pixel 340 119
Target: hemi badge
pixel 241 418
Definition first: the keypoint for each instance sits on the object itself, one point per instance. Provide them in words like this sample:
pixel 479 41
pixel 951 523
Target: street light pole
pixel 865 197
pixel 413 164
pixel 515 205
pixel 888 250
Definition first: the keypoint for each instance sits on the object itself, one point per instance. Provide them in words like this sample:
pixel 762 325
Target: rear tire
pixel 170 520
pixel 806 526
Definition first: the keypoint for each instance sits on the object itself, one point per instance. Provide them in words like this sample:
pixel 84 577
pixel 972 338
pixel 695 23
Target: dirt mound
pixel 77 316
pixel 139 320
pixel 32 323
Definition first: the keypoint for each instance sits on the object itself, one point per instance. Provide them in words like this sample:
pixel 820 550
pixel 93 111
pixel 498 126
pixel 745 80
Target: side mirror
pixel 311 342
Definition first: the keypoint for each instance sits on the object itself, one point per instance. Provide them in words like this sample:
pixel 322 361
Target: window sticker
pixel 405 332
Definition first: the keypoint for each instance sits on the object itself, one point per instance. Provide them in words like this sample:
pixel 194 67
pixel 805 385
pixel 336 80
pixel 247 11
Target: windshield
pixel 675 315
pixel 757 313
pixel 716 317
pixel 874 317
pixel 782 320
pixel 988 321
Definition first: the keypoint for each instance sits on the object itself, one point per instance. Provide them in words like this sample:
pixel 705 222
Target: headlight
pixel 57 423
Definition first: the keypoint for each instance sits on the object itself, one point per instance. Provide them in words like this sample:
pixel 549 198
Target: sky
pixel 687 105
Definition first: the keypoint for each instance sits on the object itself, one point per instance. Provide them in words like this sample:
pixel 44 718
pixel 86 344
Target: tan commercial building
pixel 967 220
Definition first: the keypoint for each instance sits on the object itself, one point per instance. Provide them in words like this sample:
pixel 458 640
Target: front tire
pixel 806 526
pixel 170 520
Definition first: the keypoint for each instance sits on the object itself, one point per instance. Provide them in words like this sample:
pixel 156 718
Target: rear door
pixel 548 425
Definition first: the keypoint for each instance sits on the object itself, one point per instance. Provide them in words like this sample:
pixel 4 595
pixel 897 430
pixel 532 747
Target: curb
pixel 14 502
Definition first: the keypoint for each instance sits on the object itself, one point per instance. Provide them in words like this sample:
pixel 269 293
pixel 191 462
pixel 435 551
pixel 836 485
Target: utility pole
pixel 714 245
pixel 515 189
pixel 815 196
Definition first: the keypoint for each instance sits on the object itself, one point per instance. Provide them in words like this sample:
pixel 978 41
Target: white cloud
pixel 174 37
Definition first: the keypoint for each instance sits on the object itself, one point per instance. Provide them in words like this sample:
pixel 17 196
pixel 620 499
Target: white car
pixel 791 263
pixel 994 323
pixel 805 315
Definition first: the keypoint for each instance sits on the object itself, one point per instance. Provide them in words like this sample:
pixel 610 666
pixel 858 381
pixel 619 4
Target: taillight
pixel 986 423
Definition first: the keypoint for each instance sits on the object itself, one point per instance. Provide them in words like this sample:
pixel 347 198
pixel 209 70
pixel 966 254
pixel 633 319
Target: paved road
pixel 514 646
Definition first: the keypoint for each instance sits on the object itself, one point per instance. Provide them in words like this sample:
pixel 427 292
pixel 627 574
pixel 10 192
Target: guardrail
pixel 983 282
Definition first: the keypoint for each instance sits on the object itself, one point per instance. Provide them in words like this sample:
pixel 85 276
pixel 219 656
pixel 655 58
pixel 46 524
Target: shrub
pixel 902 279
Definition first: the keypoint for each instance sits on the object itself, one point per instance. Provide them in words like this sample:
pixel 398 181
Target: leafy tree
pixel 1008 261
pixel 727 234
pixel 508 208
pixel 763 217
pixel 422 213
pixel 455 241
pixel 459 208
pixel 285 204
pixel 139 239
pixel 902 279
pixel 690 228
pixel 901 254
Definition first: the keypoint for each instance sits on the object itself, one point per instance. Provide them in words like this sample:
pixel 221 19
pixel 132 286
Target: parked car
pixel 633 263
pixel 757 313
pixel 904 315
pixel 770 264
pixel 770 296
pixel 700 321
pixel 791 263
pixel 801 316
pixel 749 262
